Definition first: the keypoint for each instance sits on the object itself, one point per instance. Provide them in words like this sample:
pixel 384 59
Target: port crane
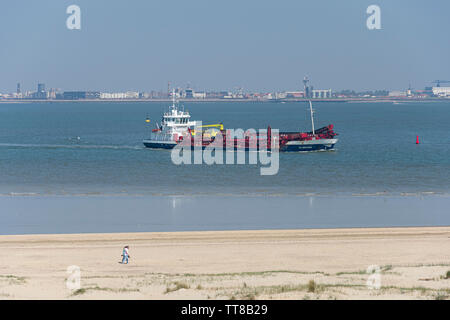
pixel 438 82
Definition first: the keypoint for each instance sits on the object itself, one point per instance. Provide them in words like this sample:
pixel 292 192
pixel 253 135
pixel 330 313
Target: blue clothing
pixel 125 256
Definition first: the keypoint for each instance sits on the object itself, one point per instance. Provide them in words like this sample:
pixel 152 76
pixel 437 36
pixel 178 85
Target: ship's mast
pixel 312 117
pixel 173 98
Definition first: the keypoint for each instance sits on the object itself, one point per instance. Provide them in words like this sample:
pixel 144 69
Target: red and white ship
pixel 177 128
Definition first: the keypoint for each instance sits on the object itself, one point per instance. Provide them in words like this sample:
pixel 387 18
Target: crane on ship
pixel 218 126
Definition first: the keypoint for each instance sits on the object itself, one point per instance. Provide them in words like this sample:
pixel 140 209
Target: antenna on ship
pixel 173 98
pixel 312 117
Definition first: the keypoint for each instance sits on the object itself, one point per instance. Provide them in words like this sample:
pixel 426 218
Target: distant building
pixel 321 93
pixel 40 93
pixel 199 95
pixel 77 95
pixel 441 91
pixel 120 95
pixel 397 93
pixel 214 95
pixel 295 94
pixel 188 93
pixel 51 94
pixel 132 95
pixel 41 87
pixel 112 95
pixel 428 91
pixel 145 95
pixel 308 91
pixel 280 95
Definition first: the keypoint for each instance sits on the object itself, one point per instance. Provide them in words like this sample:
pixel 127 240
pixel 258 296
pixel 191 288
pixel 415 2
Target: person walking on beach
pixel 125 255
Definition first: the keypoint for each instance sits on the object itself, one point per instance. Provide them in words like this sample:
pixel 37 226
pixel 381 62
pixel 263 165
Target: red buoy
pixel 417 139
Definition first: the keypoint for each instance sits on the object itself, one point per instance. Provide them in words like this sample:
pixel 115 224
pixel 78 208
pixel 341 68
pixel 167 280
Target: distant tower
pixel 18 88
pixel 41 87
pixel 168 88
pixel 41 94
pixel 305 86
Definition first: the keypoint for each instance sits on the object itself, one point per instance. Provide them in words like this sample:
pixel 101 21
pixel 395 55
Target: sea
pixel 78 167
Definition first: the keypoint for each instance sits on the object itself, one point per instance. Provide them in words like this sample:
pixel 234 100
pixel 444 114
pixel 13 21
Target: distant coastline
pixel 379 99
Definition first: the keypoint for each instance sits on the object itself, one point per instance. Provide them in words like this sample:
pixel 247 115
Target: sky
pixel 208 44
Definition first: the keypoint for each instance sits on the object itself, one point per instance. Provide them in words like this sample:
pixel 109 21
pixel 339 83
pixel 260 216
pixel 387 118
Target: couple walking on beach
pixel 125 255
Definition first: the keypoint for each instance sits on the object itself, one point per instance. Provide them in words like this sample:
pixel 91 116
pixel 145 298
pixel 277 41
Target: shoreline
pixel 167 234
pixel 225 194
pixel 254 264
pixel 343 100
pixel 338 232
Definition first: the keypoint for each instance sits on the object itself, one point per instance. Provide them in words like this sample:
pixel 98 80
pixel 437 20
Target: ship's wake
pixel 68 146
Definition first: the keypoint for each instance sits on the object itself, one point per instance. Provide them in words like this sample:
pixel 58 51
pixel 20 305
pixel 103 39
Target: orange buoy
pixel 417 139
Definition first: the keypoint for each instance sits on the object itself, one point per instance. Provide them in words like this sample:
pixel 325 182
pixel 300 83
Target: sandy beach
pixel 407 263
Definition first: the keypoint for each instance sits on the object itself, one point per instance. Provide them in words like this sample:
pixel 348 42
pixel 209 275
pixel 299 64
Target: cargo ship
pixel 177 128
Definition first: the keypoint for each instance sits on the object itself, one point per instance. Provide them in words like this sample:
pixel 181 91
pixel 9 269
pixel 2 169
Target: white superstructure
pixel 175 123
pixel 441 91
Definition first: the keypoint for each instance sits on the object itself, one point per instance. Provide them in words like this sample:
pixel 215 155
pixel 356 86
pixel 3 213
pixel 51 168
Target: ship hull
pixel 309 145
pixel 291 146
pixel 154 144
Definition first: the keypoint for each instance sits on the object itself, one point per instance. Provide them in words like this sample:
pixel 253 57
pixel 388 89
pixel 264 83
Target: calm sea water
pixel 95 149
pixel 40 152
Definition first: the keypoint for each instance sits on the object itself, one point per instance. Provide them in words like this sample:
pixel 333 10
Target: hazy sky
pixel 257 45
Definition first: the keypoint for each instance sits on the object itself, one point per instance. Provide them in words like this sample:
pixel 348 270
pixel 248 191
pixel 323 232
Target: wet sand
pixel 408 263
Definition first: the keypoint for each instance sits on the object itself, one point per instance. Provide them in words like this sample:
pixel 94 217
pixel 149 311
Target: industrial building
pixel 310 92
pixel 119 95
pixel 321 93
pixel 441 91
pixel 76 95
pixel 397 93
pixel 40 93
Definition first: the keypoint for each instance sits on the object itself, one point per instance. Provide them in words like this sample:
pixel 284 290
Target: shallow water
pixel 81 214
